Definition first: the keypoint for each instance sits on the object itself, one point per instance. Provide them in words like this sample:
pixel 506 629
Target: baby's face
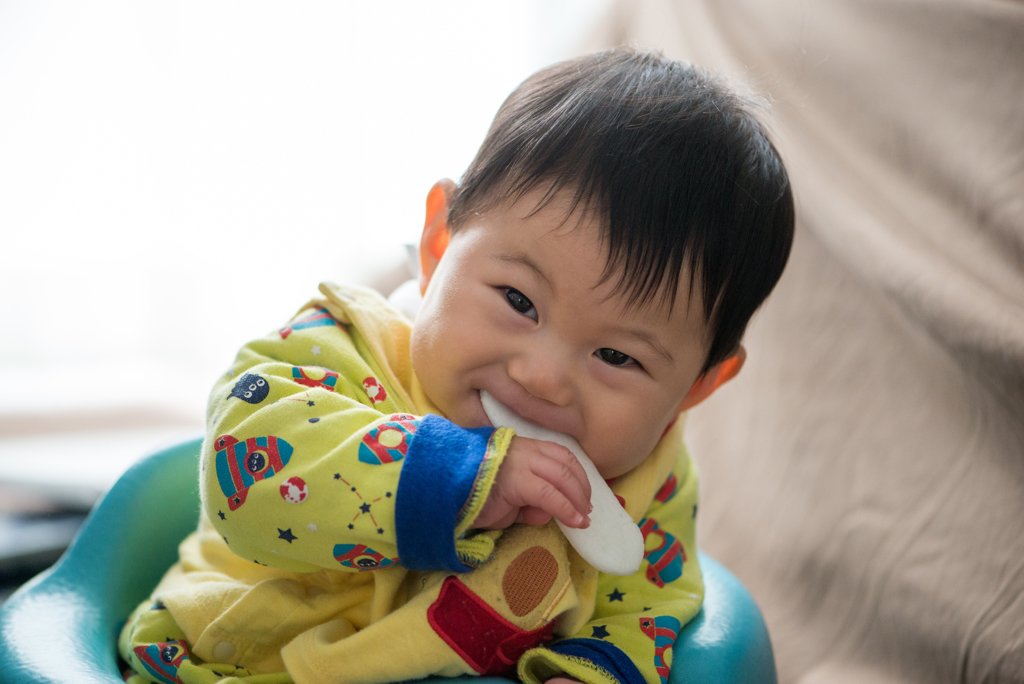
pixel 515 307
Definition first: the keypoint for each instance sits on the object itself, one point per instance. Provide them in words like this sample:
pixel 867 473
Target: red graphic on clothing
pixel 488 643
pixel 668 490
pixel 315 376
pixel 665 562
pixel 294 490
pixel 662 630
pixel 374 390
pixel 388 442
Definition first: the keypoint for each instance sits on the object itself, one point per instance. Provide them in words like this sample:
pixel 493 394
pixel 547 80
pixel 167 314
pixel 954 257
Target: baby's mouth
pixel 523 410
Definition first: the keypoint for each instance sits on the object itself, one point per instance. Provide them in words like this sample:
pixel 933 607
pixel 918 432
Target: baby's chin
pixel 611 467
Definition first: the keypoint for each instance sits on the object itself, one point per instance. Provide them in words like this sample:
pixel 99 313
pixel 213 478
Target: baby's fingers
pixel 562 469
pixel 546 494
pixel 529 515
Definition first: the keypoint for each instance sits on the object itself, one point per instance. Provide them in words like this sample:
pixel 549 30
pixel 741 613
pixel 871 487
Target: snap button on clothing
pixel 224 651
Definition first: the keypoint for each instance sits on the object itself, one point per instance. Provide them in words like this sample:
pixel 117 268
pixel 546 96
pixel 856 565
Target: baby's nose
pixel 543 375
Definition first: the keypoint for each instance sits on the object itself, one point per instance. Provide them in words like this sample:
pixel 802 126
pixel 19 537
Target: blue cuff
pixel 604 654
pixel 437 478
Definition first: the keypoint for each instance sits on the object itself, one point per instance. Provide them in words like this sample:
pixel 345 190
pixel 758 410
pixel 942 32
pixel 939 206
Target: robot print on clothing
pixel 240 465
pixel 665 561
pixel 251 388
pixel 388 442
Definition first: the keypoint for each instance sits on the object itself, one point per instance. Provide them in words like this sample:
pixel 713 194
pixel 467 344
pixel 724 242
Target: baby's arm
pixel 312 461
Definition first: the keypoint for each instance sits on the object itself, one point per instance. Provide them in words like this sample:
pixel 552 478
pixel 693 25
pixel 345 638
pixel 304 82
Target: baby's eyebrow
pixel 651 341
pixel 525 260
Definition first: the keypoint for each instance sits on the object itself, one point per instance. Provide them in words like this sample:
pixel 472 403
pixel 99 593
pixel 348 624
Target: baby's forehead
pixel 634 281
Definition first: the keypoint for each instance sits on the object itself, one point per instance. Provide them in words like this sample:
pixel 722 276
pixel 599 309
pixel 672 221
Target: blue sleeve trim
pixel 604 654
pixel 437 478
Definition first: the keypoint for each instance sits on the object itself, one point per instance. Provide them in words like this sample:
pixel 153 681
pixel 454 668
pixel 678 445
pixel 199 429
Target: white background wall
pixel 176 177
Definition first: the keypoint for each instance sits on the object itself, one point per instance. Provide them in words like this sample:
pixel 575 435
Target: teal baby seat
pixel 61 627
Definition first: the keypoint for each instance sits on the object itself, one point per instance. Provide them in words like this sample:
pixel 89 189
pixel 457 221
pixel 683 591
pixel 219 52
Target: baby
pixel 362 520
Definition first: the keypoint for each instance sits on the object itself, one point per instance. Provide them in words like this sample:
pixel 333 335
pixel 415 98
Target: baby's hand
pixel 537 480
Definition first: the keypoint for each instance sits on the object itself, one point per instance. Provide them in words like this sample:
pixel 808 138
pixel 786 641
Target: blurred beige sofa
pixel 864 475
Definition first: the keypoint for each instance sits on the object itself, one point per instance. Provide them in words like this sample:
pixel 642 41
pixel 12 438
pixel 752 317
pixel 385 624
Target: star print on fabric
pixel 221 514
pixel 380 530
pixel 310 403
pixel 694 510
pixel 315 350
pixel 364 507
pixel 616 595
pixel 312 526
pixel 286 535
pixel 225 539
pixel 600 632
pixel 314 420
pixel 646 608
pixel 258 563
pixel 351 526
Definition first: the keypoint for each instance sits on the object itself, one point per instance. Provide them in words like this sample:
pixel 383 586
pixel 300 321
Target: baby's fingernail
pixel 584 521
pixel 591 509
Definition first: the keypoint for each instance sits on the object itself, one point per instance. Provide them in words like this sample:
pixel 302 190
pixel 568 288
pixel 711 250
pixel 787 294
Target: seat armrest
pixel 62 626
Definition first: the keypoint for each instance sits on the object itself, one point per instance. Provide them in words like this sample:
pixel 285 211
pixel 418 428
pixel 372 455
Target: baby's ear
pixel 435 230
pixel 715 377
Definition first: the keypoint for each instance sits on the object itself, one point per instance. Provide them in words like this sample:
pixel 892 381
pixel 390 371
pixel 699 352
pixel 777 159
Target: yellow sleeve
pixel 637 618
pixel 305 446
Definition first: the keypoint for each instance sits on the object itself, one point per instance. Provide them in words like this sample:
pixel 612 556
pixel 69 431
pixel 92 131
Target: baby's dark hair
pixel 677 163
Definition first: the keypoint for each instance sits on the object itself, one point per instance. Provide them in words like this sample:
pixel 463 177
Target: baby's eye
pixel 616 358
pixel 518 301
